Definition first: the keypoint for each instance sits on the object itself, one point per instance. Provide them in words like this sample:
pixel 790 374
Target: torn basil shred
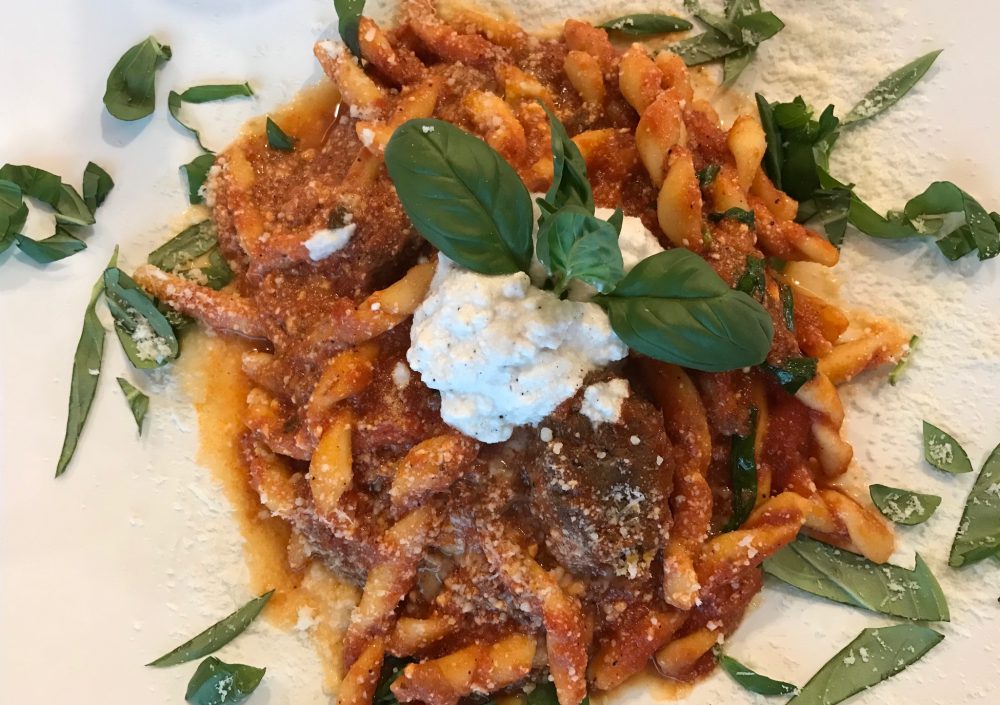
pixel 145 334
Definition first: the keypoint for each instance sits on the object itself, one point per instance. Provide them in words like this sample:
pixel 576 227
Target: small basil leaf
pixel 875 655
pixel 904 361
pixel 707 175
pixel 739 214
pixel 902 506
pixel 753 281
pixel 13 213
pixel 131 88
pixel 196 172
pixel 570 186
pixel 34 182
pixel 829 208
pixel 145 334
pixel 138 402
pixel 773 156
pixel 97 184
pixel 219 683
pixel 753 681
pixel 204 94
pixel 794 373
pixel 710 45
pixel 86 372
pixel 943 452
pixel 276 137
pixel 194 253
pixel 743 473
pixel 462 196
pixel 573 244
pixel 348 19
pixel 891 88
pixel 943 197
pixel 644 24
pixel 71 209
pixel 727 36
pixel 617 221
pixel 674 307
pixel 51 249
pixel 787 306
pixel 848 578
pixel 978 534
pixel 734 64
pixel 217 635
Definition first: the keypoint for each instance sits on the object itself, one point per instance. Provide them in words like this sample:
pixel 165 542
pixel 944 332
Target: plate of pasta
pixel 473 353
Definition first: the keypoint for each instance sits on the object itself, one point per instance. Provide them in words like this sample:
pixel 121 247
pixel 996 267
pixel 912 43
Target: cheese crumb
pixel 401 375
pixel 324 243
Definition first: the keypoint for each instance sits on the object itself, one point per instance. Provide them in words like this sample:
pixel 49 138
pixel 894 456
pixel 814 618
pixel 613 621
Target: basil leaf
pixel 196 172
pixel 204 94
pixel 873 656
pixel 573 244
pixel 794 373
pixel 97 184
pixel 34 182
pixel 276 137
pixel 787 306
pixel 86 372
pixel 753 281
pixel 829 208
pixel 739 214
pixel 743 471
pixel 138 403
pixel 943 452
pixel 392 669
pixel 644 24
pixel 71 209
pixel 217 635
pixel 734 64
pixel 570 186
pixel 891 88
pixel 674 307
pixel 851 579
pixel 902 506
pixel 51 249
pixel 773 156
pixel 978 535
pixel 131 88
pixel 462 196
pixel 348 19
pixel 942 197
pixel 707 175
pixel 145 334
pixel 13 213
pixel 219 683
pixel 753 681
pixel 617 221
pixel 726 37
pixel 904 361
pixel 194 253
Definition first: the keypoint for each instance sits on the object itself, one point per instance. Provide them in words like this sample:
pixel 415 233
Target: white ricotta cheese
pixel 502 352
pixel 324 243
pixel 602 401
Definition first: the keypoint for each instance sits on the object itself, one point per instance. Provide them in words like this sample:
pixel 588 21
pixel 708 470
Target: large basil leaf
pixel 196 172
pixel 138 402
pixel 875 655
pixel 13 213
pixel 462 196
pixel 753 681
pixel 219 683
pixel 902 506
pixel 144 332
pixel 795 372
pixel 570 186
pixel 891 88
pixel 131 88
pixel 851 579
pixel 217 635
pixel 645 24
pixel 348 20
pixel 674 307
pixel 574 244
pixel 203 94
pixel 943 452
pixel 743 473
pixel 978 535
pixel 194 253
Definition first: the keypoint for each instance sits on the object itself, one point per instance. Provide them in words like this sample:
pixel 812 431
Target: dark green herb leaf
pixel 145 334
pixel 743 471
pixel 794 373
pixel 276 137
pixel 196 172
pixel 570 186
pixel 727 37
pixel 349 17
pixel 86 372
pixel 392 669
pixel 51 249
pixel 773 156
pixel 978 535
pixel 573 244
pixel 891 88
pixel 639 25
pixel 204 94
pixel 829 208
pixel 462 196
pixel 617 220
pixel 848 578
pixel 739 214
pixel 753 281
pixel 97 184
pixel 875 655
pixel 544 694
pixel 675 308
pixel 787 306
pixel 979 230
pixel 219 683
pixel 734 64
pixel 217 635
pixel 943 452
pixel 707 175
pixel 904 361
pixel 902 506
pixel 753 681
pixel 71 209
pixel 13 213
pixel 138 403
pixel 194 253
pixel 131 89
pixel 34 182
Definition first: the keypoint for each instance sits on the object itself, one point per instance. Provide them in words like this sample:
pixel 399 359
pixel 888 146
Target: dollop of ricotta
pixel 323 243
pixel 502 352
pixel 602 401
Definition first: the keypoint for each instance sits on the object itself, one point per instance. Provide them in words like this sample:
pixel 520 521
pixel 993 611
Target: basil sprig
pixel 138 402
pixel 794 372
pixel 890 89
pixel 276 137
pixel 978 534
pixel 943 452
pixel 574 244
pixel 743 472
pixel 145 334
pixel 646 24
pixel 219 683
pixel 845 577
pixel 348 20
pixel 131 87
pixel 753 681
pixel 902 506
pixel 204 94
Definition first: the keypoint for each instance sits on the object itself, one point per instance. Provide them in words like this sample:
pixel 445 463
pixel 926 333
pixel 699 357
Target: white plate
pixel 134 550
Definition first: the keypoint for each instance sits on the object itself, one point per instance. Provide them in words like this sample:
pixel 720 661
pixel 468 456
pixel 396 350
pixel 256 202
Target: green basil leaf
pixel 873 656
pixel 943 452
pixel 617 221
pixel 574 244
pixel 753 281
pixel 753 681
pixel 674 307
pixel 570 186
pixel 462 196
pixel 644 24
pixel 891 88
pixel 848 578
pixel 735 9
pixel 794 373
pixel 194 253
pixel 219 683
pixel 710 45
pixel 13 213
pixel 71 209
pixel 773 156
pixel 787 306
pixel 904 361
pixel 131 88
pixel 348 19
pixel 738 214
pixel 392 669
pixel 204 94
pixel 758 27
pixel 743 472
pixel 978 534
pixel 86 372
pixel 216 636
pixel 145 334
pixel 734 64
pixel 276 137
pixel 138 402
pixel 97 184
pixel 196 172
pixel 51 249
pixel 902 506
pixel 829 208
pixel 34 182
pixel 943 197
pixel 707 175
